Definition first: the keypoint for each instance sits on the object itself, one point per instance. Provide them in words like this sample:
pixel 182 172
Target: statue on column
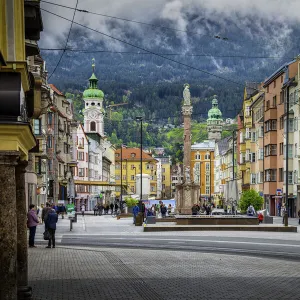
pixel 187 174
pixel 187 94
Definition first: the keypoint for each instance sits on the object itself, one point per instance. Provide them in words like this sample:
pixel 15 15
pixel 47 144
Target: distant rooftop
pixel 204 145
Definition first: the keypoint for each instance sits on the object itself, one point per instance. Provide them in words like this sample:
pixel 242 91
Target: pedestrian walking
pixel 51 227
pixel 82 209
pixel 63 211
pixel 135 211
pixel 116 207
pixel 45 211
pixel 32 222
pixel 299 215
pixel 106 209
pixel 95 210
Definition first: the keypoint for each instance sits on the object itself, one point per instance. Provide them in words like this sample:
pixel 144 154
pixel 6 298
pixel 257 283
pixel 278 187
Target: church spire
pixel 93 79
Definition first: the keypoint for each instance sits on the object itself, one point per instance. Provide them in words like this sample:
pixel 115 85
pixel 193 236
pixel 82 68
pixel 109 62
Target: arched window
pixel 93 126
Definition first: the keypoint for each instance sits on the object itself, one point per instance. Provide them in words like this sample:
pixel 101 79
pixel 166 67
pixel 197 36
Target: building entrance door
pixel 291 207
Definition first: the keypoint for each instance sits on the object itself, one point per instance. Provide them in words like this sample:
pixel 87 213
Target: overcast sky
pixel 284 13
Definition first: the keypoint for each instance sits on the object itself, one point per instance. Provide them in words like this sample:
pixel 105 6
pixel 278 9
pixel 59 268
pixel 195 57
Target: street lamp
pixel 141 162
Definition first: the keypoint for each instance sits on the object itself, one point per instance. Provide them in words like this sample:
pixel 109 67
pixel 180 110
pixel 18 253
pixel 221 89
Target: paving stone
pixel 102 273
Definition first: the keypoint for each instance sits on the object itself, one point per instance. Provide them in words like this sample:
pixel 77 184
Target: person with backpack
pixel 51 227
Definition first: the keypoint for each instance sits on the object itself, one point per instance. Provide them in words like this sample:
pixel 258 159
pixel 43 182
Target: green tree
pixel 130 202
pixel 251 197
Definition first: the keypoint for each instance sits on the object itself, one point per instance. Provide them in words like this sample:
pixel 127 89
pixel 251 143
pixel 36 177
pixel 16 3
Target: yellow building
pixel 131 167
pixel 202 168
pixel 246 136
pixel 20 100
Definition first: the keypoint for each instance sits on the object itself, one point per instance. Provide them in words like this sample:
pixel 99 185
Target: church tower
pixel 93 108
pixel 214 121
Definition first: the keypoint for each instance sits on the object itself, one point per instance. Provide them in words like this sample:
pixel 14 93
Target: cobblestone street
pixel 102 273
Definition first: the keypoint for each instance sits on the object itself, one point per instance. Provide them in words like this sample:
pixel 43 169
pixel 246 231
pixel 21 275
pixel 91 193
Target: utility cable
pixel 156 54
pixel 137 22
pixel 167 54
pixel 64 50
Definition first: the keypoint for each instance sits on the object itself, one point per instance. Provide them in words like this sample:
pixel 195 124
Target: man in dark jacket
pixel 51 227
pixel 45 212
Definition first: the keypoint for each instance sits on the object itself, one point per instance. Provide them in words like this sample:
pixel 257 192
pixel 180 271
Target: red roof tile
pixel 133 154
pixel 56 90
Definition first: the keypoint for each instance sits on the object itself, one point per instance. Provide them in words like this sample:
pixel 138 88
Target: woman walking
pixel 32 222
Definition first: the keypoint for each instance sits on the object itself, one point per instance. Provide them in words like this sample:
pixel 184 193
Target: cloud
pixel 269 22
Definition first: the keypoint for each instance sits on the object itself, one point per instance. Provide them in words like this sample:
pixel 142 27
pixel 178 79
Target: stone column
pixel 8 225
pixel 24 292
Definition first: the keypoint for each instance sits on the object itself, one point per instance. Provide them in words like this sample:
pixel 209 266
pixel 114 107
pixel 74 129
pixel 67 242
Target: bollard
pixel 286 219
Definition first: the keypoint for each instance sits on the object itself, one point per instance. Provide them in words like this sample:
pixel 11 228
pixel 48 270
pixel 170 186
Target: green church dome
pixel 93 91
pixel 214 113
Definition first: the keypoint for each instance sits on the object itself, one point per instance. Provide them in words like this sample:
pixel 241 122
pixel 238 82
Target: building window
pixel 132 177
pixel 207 179
pixel 38 165
pixel 253 157
pixel 268 102
pixel 118 177
pixel 274 101
pixel 118 166
pixel 261 153
pixel 296 177
pixel 163 170
pixel 280 174
pixel 247 111
pixel 163 178
pixel 80 155
pixel 132 189
pixel 124 167
pixel 281 148
pixel 81 172
pixel 270 125
pixel 271 150
pixel 260 177
pixel 290 151
pixel 253 138
pixel 270 175
pixel 296 150
pixel 207 190
pixel 124 177
pixel 274 84
pixel 281 98
pixel 50 118
pixel 148 167
pixel 290 177
pixel 281 123
pixel 93 126
pixel 207 156
pixel 132 154
pixel 197 156
pixel 207 167
pixel 152 188
pixel 37 126
pixel 66 148
pixel 253 178
pixel 49 142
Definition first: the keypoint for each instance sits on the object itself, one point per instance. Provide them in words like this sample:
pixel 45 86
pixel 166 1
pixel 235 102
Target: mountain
pixel 155 84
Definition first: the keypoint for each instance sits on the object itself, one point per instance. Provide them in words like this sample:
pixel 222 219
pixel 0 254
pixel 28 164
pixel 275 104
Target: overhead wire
pixel 64 50
pixel 137 22
pixel 167 54
pixel 151 52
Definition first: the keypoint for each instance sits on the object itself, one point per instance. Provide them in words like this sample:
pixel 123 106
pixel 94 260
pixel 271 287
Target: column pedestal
pixel 187 194
pixel 8 225
pixel 24 291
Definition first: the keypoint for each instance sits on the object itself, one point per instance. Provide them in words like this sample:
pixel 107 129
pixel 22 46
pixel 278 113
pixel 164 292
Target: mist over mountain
pixel 154 84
